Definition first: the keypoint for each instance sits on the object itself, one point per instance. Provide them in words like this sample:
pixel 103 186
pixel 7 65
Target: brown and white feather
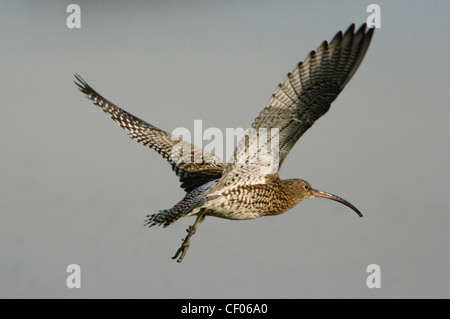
pixel 194 168
pixel 300 99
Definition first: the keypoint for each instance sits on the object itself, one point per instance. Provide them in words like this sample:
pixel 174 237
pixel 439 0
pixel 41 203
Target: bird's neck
pixel 293 190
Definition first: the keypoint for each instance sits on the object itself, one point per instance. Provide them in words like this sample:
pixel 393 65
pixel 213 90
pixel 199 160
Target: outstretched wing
pixel 307 92
pixel 303 97
pixel 192 164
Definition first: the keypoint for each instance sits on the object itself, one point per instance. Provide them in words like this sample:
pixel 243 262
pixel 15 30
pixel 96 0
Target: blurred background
pixel 75 189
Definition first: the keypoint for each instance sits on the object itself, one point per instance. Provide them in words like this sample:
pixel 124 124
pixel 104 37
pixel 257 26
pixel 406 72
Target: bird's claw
pixel 182 250
pixel 187 240
pixel 185 244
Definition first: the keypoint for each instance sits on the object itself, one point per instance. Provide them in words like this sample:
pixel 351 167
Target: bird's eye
pixel 306 187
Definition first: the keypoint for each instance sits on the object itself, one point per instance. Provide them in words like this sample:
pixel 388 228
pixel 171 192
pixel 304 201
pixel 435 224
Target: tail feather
pixel 186 206
pixel 165 217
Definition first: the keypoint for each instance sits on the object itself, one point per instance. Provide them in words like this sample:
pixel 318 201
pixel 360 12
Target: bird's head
pixel 303 190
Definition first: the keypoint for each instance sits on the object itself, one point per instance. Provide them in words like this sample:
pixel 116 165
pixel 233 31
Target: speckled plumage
pixel 241 189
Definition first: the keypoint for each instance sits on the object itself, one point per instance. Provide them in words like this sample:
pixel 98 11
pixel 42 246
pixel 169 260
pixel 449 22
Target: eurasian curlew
pixel 242 189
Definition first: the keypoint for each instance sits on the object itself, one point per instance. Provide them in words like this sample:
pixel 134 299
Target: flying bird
pixel 244 188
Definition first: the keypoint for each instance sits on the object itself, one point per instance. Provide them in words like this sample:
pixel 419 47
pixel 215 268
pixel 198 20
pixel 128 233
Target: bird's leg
pixel 187 241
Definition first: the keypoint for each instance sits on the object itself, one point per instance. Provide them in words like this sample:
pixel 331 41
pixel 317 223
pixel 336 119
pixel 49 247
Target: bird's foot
pixel 186 243
pixel 187 240
pixel 182 250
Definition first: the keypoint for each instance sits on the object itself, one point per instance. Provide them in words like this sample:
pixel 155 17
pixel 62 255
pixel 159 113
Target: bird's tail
pixel 165 217
pixel 187 205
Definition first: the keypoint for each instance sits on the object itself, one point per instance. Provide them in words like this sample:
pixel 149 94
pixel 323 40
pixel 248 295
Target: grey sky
pixel 76 189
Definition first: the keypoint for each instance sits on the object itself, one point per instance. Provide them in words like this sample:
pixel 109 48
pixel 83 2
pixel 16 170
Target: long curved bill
pixel 317 193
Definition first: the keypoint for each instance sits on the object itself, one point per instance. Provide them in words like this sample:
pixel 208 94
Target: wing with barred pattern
pixel 192 164
pixel 299 100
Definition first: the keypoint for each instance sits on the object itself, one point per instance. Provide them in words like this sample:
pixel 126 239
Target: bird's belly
pixel 224 207
pixel 236 213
